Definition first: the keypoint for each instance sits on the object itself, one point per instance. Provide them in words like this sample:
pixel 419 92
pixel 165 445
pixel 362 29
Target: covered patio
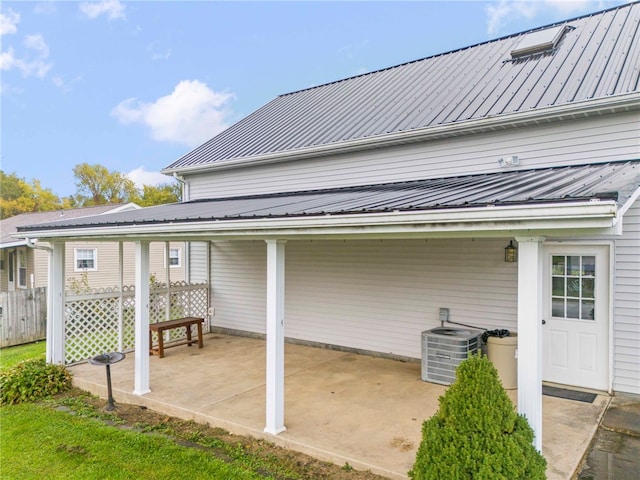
pixel 340 406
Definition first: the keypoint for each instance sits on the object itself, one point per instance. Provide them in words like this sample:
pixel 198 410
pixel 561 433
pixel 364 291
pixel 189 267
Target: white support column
pixel 120 297
pixel 167 275
pixel 142 320
pixel 530 333
pixel 275 337
pixel 55 308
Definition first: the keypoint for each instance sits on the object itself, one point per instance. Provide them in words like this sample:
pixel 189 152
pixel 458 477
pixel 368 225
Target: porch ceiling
pixel 582 197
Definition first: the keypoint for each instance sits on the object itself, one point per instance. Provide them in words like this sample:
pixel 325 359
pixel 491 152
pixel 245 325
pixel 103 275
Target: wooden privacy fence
pixel 23 316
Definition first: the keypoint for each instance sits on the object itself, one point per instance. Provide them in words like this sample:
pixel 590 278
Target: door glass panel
pixel 573 265
pixel 573 286
pixel 573 308
pixel 557 286
pixel 588 287
pixel 557 307
pixel 587 309
pixel 588 266
pixel 558 265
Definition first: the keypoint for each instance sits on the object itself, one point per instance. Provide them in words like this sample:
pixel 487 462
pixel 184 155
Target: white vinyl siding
pixel 198 262
pixel 606 138
pixel 41 267
pixel 238 285
pixel 369 295
pixel 626 335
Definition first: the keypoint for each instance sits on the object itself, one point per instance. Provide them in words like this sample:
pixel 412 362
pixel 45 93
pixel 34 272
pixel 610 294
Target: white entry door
pixel 576 316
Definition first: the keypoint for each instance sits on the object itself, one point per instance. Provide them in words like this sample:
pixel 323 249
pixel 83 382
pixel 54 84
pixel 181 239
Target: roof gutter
pixel 574 217
pixel 31 243
pixel 600 106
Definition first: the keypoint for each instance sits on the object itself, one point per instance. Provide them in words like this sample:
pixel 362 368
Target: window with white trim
pixel 175 257
pixel 22 268
pixel 85 259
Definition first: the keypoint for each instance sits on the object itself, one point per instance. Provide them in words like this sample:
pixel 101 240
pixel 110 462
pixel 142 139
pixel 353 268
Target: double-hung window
pixel 85 260
pixel 22 268
pixel 175 257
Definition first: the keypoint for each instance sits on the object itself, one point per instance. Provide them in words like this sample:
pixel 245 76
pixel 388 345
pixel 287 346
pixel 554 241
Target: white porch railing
pixel 102 320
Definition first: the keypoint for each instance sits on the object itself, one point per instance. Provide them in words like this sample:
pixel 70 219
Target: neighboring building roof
pixel 591 57
pixel 10 225
pixel 617 181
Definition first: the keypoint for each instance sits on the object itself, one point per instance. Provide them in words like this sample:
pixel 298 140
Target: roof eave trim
pixel 16 243
pixel 626 102
pixel 565 217
pixel 630 201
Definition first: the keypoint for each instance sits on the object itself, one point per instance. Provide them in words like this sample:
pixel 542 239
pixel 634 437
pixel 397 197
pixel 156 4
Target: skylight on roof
pixel 540 41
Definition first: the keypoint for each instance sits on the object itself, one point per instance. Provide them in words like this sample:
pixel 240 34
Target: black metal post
pixel 110 405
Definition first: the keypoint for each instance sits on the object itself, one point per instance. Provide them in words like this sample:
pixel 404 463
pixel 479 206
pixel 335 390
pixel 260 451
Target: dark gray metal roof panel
pixel 598 56
pixel 614 180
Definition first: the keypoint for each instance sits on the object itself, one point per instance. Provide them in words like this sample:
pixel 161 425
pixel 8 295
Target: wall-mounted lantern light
pixel 511 253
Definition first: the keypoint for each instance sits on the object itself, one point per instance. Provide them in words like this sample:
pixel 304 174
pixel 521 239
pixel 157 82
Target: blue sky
pixel 133 85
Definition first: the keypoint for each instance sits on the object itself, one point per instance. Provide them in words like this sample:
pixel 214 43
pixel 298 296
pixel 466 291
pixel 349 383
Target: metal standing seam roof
pixel 597 57
pixel 614 180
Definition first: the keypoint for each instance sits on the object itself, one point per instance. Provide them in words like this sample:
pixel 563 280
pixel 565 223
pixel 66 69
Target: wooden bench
pixel 160 327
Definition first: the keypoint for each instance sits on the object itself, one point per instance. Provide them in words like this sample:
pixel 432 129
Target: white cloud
pixel 9 22
pixel 501 12
pixel 37 43
pixel 161 56
pixel 35 65
pixel 112 8
pixel 191 114
pixel 141 177
pixel 33 61
pixel 64 84
pixel 8 90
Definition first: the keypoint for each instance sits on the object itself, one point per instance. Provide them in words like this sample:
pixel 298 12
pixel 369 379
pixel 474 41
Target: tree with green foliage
pixel 476 433
pixel 160 195
pixel 19 196
pixel 97 185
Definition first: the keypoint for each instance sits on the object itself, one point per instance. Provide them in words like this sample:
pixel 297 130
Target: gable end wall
pixel 572 142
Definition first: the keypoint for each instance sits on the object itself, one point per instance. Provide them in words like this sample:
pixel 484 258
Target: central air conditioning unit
pixel 443 349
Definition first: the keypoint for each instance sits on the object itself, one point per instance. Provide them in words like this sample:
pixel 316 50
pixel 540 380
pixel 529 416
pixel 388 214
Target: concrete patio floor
pixel 340 407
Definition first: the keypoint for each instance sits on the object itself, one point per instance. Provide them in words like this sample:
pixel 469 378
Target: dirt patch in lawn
pixel 260 456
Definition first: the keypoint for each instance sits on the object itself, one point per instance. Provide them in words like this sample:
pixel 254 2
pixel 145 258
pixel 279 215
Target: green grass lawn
pixel 11 355
pixel 71 436
pixel 38 442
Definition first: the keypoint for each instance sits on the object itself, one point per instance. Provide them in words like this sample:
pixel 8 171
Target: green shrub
pixel 32 379
pixel 476 434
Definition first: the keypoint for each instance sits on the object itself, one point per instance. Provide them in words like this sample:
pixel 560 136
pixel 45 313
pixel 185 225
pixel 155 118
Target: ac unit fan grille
pixel 441 354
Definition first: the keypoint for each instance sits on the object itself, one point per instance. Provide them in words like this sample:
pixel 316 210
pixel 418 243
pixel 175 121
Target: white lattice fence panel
pixel 184 300
pixel 93 324
pixel 128 322
pixel 91 327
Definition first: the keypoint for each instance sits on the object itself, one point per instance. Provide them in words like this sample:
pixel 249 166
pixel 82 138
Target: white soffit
pixel 539 41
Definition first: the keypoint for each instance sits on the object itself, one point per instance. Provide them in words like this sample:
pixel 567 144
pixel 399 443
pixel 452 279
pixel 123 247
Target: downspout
pixel 31 243
pixel 187 245
pixel 185 186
